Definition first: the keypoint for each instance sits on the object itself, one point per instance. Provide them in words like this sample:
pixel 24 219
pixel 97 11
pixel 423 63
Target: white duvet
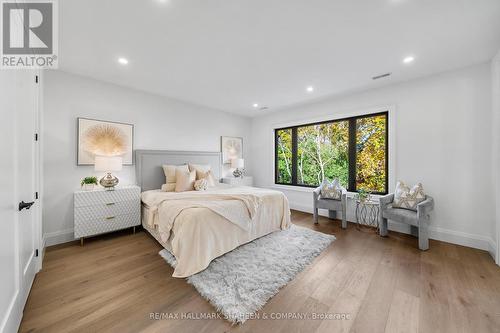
pixel 200 226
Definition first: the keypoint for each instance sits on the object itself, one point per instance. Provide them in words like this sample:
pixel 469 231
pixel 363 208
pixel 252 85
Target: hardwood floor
pixel 114 282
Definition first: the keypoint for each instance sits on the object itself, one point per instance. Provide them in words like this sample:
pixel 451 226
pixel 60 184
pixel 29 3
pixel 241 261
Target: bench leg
pixel 383 227
pixel 315 215
pixel 344 217
pixel 332 214
pixel 423 237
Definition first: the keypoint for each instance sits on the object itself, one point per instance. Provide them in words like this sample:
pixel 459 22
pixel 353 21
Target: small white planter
pixel 88 187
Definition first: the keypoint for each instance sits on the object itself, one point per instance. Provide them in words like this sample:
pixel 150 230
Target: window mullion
pixel 294 155
pixel 352 155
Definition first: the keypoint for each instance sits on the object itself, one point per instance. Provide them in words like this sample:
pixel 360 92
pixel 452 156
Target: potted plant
pixel 363 195
pixel 88 183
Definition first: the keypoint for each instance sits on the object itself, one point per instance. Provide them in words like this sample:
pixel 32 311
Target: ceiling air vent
pixel 381 76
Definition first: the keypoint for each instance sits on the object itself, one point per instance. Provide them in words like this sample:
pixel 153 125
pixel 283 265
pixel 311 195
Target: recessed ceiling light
pixel 123 61
pixel 255 105
pixel 408 59
pixel 310 89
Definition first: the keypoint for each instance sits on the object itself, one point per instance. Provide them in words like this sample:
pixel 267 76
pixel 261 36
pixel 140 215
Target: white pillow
pixel 184 180
pixel 200 167
pixel 331 190
pixel 170 176
pixel 407 198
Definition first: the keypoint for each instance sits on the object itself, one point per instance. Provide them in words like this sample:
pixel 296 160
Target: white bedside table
pixel 100 211
pixel 245 181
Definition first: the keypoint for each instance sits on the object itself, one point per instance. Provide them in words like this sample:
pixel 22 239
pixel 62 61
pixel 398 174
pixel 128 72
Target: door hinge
pixel 36 195
pixel 36 253
pixel 36 136
pixel 36 78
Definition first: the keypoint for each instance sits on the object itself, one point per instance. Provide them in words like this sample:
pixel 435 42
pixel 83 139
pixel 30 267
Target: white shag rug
pixel 240 282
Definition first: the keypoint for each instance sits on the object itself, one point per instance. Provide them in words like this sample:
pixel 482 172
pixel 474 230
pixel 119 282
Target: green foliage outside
pixel 284 147
pixel 370 154
pixel 322 152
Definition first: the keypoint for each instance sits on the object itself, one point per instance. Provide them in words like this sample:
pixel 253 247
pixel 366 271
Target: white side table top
pixel 99 188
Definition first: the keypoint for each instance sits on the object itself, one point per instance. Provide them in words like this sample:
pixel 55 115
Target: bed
pixel 199 226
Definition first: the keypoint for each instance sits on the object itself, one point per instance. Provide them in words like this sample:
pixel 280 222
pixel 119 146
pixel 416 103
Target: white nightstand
pixel 245 181
pixel 100 211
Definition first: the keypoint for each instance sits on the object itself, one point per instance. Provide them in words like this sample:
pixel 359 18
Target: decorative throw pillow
pixel 201 185
pixel 170 187
pixel 184 180
pixel 170 175
pixel 331 190
pixel 203 171
pixel 208 176
pixel 200 167
pixel 407 198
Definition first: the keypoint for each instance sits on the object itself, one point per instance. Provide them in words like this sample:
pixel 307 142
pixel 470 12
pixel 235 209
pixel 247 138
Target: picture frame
pixel 231 147
pixel 84 157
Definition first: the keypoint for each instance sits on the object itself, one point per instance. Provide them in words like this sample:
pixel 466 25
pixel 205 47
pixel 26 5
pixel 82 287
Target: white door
pixel 19 174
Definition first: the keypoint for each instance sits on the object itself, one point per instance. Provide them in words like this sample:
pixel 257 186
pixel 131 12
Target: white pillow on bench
pixel 407 198
pixel 331 190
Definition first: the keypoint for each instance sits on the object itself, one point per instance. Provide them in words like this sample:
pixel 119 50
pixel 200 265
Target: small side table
pixel 367 213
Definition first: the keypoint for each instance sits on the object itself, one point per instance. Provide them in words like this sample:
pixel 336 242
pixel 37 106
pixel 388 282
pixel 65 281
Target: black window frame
pixel 351 151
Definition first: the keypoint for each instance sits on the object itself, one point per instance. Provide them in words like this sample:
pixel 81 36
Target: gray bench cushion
pixel 400 215
pixel 329 204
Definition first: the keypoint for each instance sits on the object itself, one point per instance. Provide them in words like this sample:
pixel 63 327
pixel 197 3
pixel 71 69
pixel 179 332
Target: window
pixel 355 150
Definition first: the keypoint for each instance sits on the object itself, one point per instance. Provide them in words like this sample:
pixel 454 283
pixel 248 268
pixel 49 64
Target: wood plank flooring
pixel 116 281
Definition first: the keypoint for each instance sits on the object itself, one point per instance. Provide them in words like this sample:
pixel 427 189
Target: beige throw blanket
pixel 199 234
pixel 237 208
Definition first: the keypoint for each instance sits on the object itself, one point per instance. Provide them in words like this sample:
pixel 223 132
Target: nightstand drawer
pixel 92 227
pixel 93 198
pixel 106 209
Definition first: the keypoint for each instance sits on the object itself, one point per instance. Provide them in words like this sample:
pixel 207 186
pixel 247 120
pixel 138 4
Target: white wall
pixel 160 123
pixel 442 138
pixel 495 226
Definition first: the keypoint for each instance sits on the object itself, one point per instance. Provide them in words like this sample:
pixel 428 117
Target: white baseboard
pixel 437 233
pixel 450 236
pixel 492 249
pixel 58 237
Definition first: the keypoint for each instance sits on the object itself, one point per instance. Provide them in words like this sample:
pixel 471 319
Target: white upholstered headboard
pixel 149 171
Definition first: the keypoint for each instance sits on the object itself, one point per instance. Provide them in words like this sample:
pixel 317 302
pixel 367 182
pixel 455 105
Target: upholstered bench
pixel 332 205
pixel 416 219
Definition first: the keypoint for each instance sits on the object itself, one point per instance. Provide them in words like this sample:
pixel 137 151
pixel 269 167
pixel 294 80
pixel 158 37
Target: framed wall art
pixel 231 148
pixel 106 138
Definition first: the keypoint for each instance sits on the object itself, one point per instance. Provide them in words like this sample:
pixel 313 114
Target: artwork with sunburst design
pixel 97 137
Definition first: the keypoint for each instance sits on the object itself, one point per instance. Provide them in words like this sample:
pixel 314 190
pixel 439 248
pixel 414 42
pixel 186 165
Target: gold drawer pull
pixel 110 204
pixel 110 217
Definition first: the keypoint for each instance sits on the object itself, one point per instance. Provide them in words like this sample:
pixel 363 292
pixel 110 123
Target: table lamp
pixel 238 164
pixel 108 164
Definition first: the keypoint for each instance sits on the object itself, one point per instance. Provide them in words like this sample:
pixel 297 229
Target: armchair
pixel 419 219
pixel 332 205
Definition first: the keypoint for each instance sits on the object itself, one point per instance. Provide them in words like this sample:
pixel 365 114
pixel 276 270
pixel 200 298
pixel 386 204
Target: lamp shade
pixel 237 163
pixel 108 163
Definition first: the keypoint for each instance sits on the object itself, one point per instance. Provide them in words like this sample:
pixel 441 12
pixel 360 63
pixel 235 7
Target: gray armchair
pixel 417 220
pixel 332 205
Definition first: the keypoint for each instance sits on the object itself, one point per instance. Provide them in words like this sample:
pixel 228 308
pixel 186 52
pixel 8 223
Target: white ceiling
pixel 229 54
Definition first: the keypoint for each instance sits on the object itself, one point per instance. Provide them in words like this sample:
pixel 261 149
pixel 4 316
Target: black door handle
pixel 27 205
